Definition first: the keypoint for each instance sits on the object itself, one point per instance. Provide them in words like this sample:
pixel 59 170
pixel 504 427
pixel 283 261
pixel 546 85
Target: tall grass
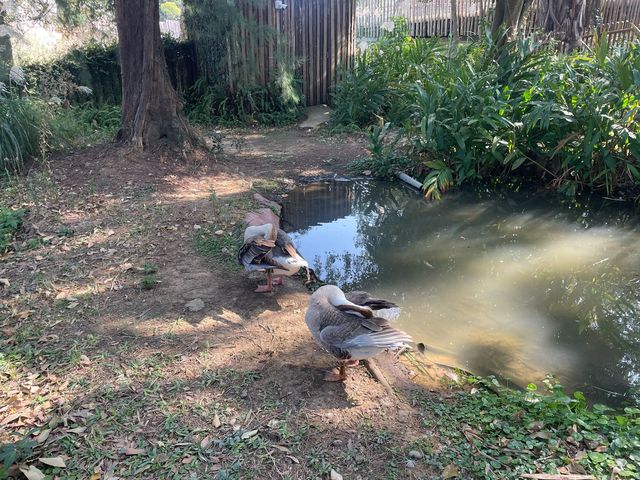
pixel 21 122
pixel 469 113
pixel 31 128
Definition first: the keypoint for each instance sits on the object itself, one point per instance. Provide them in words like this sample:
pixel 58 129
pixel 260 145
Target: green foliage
pixel 501 433
pixel 81 126
pixel 208 24
pixel 29 127
pixel 170 11
pixel 386 159
pixel 222 248
pixel 273 104
pixel 149 269
pixel 148 282
pixel 470 113
pixel 11 453
pixel 94 66
pixel 75 13
pixel 10 223
pixel 21 123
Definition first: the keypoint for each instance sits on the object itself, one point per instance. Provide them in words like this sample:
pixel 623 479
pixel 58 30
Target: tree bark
pixel 6 52
pixel 566 19
pixel 151 109
pixel 507 15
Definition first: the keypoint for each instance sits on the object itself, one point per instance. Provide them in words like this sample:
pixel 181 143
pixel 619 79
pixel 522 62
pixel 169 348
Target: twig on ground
pixel 378 375
pixel 544 476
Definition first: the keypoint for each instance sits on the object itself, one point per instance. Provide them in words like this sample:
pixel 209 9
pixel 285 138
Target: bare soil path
pixel 104 365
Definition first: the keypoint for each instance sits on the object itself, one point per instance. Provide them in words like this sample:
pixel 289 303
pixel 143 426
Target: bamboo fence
pixel 619 19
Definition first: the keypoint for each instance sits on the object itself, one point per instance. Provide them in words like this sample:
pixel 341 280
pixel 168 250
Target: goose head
pixel 333 296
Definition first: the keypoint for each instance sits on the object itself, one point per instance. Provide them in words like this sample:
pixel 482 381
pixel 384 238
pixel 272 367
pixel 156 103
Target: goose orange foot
pixel 336 374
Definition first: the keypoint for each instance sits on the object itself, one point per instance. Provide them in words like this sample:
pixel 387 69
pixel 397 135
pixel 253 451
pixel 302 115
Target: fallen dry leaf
pixel 206 441
pixel 32 473
pixel 281 448
pixel 216 421
pixel 249 434
pixel 43 435
pixel 53 461
pixel 5 282
pixel 187 460
pixel 11 418
pixel 293 459
pixel 450 471
pixel 77 430
pixel 134 451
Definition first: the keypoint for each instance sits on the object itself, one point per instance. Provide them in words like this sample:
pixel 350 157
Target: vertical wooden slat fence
pixel 619 19
pixel 316 37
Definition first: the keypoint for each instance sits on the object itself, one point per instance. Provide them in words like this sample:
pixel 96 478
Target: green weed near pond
pixel 495 432
pixel 220 246
pixel 10 223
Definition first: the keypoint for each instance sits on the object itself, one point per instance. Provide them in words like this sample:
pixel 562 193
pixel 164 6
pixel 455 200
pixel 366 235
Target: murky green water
pixel 515 285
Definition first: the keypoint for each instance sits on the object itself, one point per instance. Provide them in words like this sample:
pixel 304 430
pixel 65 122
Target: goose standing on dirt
pixel 267 248
pixel 352 327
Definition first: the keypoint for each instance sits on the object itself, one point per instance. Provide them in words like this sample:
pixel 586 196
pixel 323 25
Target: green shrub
pixel 21 129
pixel 95 66
pixel 278 103
pixel 29 128
pixel 470 113
pixel 82 125
pixel 10 223
pixel 386 159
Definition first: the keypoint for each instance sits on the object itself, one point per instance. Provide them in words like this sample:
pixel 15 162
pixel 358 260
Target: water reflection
pixel 511 284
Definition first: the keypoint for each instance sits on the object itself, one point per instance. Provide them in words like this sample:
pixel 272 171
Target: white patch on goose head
pixel 336 297
pixel 255 230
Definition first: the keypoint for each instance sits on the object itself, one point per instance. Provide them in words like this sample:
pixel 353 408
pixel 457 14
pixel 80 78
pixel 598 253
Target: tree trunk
pixel 454 20
pixel 567 19
pixel 507 15
pixel 151 110
pixel 6 53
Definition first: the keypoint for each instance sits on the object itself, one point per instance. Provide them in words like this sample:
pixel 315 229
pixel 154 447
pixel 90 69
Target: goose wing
pixel 284 242
pixel 257 245
pixel 253 250
pixel 342 327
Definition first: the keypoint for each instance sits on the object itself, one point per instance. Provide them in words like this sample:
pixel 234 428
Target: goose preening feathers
pixel 267 248
pixel 352 327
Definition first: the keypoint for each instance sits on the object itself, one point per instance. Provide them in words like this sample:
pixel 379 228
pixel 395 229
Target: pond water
pixel 516 285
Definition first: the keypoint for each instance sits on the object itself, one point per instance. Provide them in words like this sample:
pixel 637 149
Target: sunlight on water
pixel 514 285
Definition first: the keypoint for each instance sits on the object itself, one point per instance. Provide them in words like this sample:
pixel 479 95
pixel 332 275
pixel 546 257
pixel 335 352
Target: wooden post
pixel 454 20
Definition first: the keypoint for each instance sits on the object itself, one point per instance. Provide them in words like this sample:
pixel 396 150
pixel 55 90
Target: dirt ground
pixel 103 364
